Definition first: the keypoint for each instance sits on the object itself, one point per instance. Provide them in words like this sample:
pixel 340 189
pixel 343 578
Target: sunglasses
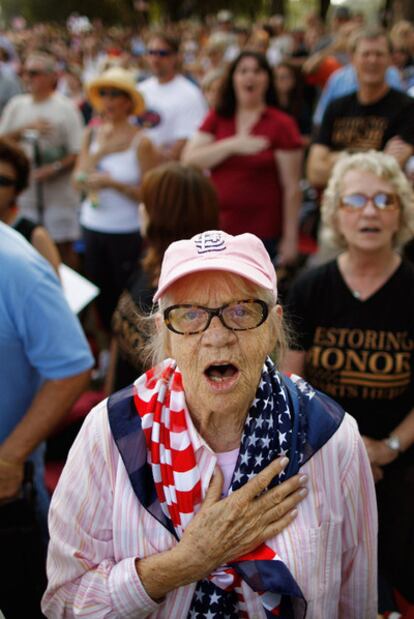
pixel 6 181
pixel 113 93
pixel 161 53
pixel 34 72
pixel 381 200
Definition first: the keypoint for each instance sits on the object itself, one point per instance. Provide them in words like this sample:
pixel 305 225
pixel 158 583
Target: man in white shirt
pixel 49 128
pixel 175 107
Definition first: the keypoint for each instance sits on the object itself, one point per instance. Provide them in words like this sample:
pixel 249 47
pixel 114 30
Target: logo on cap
pixel 210 241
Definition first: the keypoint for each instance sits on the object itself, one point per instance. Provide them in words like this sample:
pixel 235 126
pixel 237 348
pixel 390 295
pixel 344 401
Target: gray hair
pixel 369 34
pixel 385 167
pixel 48 61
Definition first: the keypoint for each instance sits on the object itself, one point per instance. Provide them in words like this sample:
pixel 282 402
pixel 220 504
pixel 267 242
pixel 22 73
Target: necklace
pixel 367 287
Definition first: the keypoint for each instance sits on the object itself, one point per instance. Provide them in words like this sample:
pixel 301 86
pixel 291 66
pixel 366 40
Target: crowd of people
pixel 177 169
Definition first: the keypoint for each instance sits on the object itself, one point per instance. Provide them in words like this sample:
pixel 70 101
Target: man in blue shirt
pixel 44 360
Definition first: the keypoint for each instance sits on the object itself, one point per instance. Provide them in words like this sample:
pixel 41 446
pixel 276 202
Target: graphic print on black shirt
pixel 349 125
pixel 360 363
pixel 361 353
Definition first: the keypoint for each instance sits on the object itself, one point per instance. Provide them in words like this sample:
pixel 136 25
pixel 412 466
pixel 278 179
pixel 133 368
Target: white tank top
pixel 114 211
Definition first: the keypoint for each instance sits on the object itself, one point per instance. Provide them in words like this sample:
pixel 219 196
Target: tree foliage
pixel 110 11
pixel 123 11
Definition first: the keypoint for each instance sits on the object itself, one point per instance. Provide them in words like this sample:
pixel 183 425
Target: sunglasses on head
pixel 161 53
pixel 111 92
pixel 6 181
pixel 381 200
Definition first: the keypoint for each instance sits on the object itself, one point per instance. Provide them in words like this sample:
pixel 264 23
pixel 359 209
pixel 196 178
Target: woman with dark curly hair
pixel 254 152
pixel 14 178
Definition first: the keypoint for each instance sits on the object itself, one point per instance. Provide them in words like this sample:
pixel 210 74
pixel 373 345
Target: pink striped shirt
pixel 98 529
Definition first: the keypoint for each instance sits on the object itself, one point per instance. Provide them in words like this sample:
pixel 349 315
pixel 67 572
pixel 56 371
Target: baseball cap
pixel 243 255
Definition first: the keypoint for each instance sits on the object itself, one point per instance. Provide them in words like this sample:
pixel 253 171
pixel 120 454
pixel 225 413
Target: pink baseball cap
pixel 214 250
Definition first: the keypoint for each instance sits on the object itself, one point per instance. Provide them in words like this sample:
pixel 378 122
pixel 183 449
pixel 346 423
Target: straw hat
pixel 119 78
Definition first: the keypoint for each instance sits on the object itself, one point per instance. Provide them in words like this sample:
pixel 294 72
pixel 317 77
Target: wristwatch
pixel 393 442
pixel 57 166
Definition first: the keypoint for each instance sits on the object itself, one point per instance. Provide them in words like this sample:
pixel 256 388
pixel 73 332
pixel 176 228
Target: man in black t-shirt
pixel 375 117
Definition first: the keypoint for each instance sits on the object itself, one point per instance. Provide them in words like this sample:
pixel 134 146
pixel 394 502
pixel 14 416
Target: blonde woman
pixel 113 158
pixel 355 322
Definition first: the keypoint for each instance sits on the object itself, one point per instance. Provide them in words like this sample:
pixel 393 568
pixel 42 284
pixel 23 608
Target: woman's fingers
pixel 279 525
pixel 279 511
pixel 277 494
pixel 214 490
pixel 226 529
pixel 258 484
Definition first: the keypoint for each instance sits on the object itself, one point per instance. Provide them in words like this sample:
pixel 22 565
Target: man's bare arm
pixel 320 163
pixel 47 409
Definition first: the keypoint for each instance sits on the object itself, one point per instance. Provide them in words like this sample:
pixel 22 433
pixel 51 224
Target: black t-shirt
pixel 359 352
pixel 349 125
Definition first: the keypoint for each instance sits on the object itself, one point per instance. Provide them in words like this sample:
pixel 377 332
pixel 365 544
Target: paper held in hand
pixel 78 290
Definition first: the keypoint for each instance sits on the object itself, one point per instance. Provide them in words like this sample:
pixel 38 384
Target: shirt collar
pixel 196 439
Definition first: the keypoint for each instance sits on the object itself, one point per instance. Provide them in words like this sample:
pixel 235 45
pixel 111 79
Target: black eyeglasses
pixel 6 181
pixel 381 200
pixel 188 319
pixel 161 53
pixel 111 92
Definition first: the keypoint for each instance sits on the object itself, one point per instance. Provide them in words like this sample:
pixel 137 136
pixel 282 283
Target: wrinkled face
pixel 368 229
pixel 162 59
pixel 250 82
pixel 7 190
pixel 221 368
pixel 371 59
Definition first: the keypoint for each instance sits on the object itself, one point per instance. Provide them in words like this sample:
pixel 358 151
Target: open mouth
pixel 221 373
pixel 369 229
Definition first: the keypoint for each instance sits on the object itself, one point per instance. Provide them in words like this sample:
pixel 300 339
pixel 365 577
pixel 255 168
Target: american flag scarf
pixel 160 401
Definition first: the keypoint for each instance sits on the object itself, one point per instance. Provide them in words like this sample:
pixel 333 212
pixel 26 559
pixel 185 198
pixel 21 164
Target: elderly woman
pixel 180 495
pixel 354 317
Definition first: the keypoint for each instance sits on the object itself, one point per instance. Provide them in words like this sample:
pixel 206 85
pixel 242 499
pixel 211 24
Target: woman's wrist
pixel 57 167
pixel 164 572
pixel 394 444
pixel 230 145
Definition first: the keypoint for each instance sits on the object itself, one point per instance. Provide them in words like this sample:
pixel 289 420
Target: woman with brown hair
pixel 177 202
